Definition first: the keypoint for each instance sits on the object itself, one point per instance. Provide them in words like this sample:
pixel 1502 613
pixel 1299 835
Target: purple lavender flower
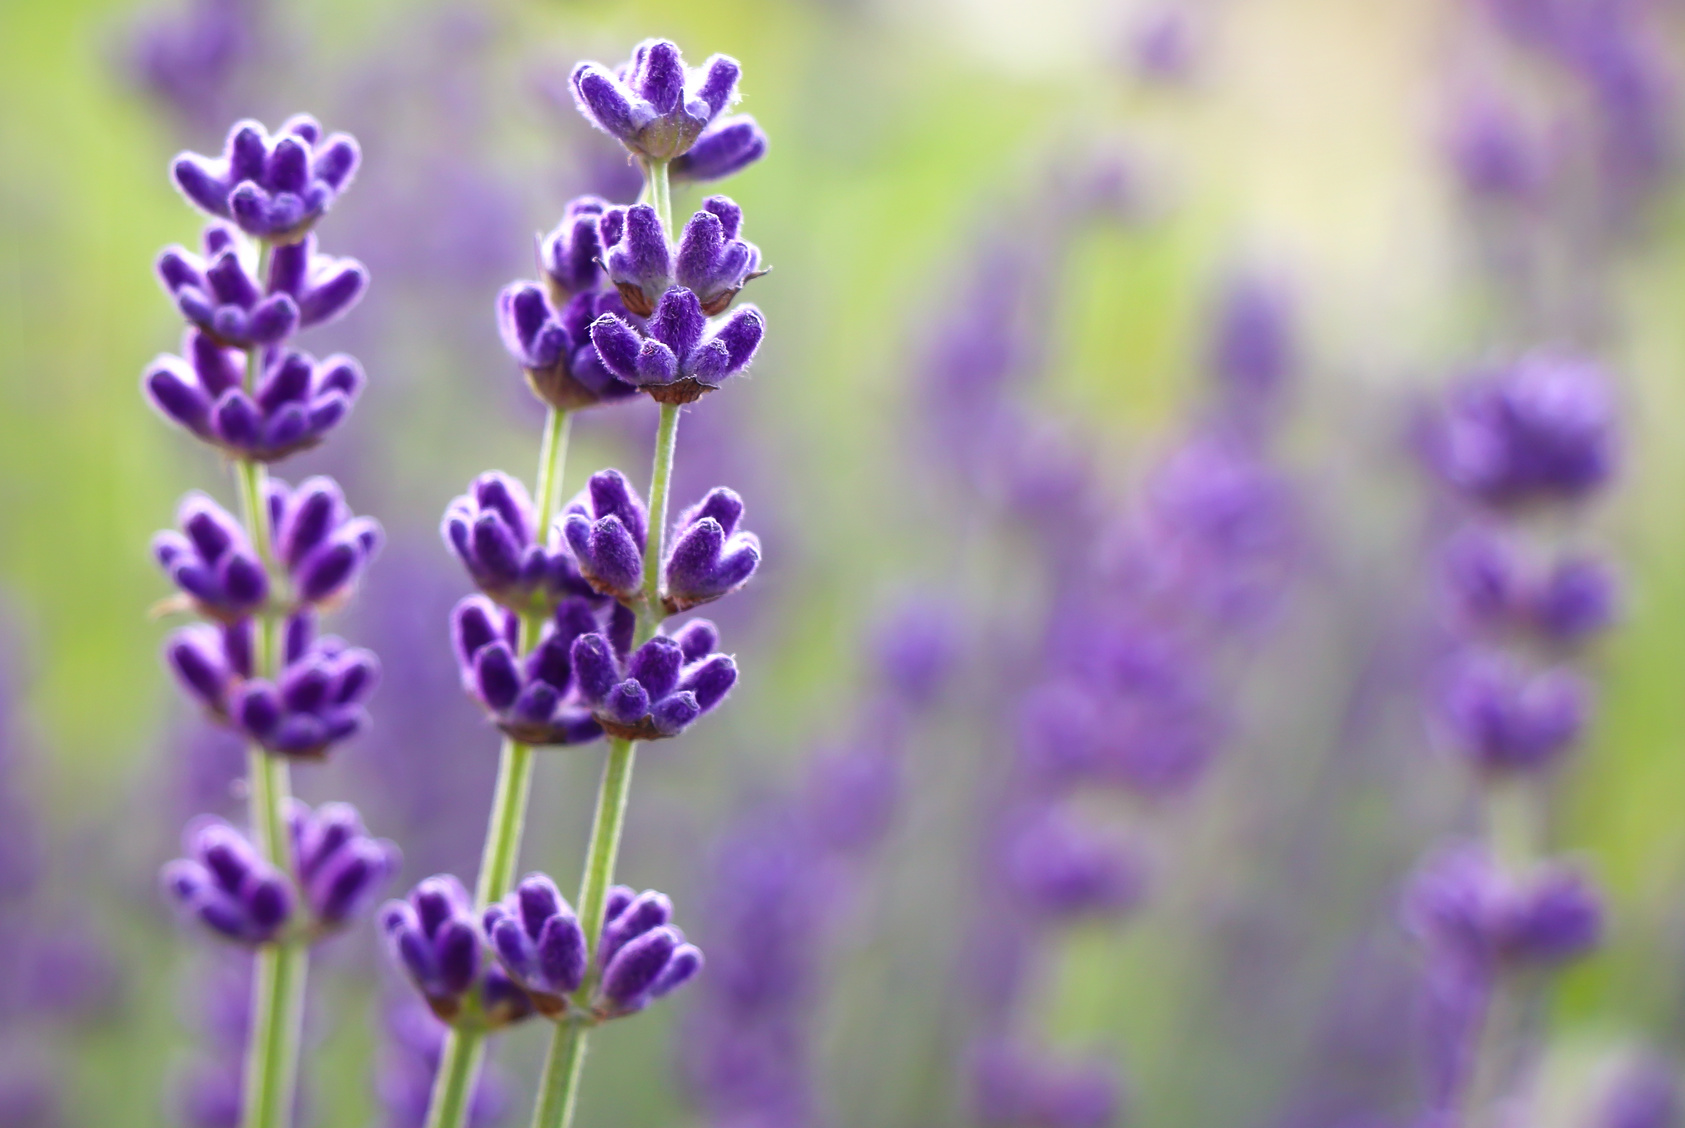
pixel 190 61
pixel 1491 585
pixel 1252 347
pixel 653 105
pixel 710 260
pixel 531 699
pixel 1462 903
pixel 340 867
pixel 665 685
pixel 1506 719
pixel 606 526
pixel 217 293
pixel 571 255
pixel 709 557
pixel 492 529
pixel 643 957
pixel 726 148
pixel 273 188
pixel 316 702
pixel 297 400
pixel 432 939
pixel 212 561
pixel 1060 869
pixel 1016 1087
pixel 680 360
pixel 553 346
pixel 1540 429
pixel 536 937
pixel 1644 1094
pixel 323 547
pixel 324 287
pixel 1495 153
pixel 227 885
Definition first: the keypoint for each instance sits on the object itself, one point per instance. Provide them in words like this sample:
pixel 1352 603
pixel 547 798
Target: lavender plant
pixel 262 581
pixel 564 643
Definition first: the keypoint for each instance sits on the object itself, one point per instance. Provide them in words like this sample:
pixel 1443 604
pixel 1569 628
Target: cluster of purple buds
pixel 552 344
pixel 315 702
pixel 1015 1086
pixel 212 560
pixel 218 293
pixel 493 531
pixel 1494 586
pixel 709 557
pixel 538 939
pixel 340 866
pixel 1541 429
pixel 271 187
pixel 663 111
pixel 530 698
pixel 710 260
pixel 1060 869
pixel 680 359
pixel 1466 906
pixel 227 886
pixel 297 400
pixel 318 541
pixel 661 688
pixel 433 938
pixel 1509 719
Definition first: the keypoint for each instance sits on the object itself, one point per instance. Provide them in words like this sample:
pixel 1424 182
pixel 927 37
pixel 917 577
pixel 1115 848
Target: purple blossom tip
pixel 321 544
pixel 724 149
pixel 642 955
pixel 341 867
pixel 1465 906
pixel 227 886
pixel 493 530
pixel 660 689
pixel 433 938
pixel 272 187
pixel 571 255
pixel 212 561
pixel 537 938
pixel 710 556
pixel 654 105
pixel 533 699
pixel 553 346
pixel 1506 719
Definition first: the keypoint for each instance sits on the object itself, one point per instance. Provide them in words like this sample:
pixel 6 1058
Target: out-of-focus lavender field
pixel 1212 458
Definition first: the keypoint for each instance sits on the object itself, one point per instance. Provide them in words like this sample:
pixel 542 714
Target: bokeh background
pixel 1085 181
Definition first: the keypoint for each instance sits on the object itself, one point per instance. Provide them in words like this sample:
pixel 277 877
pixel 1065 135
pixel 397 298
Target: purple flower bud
pixel 1013 1087
pixel 606 526
pixel 272 187
pixel 1541 429
pixel 433 940
pixel 1462 903
pixel 227 886
pixel 553 346
pixel 491 528
pixel 724 149
pixel 675 364
pixel 654 105
pixel 212 560
pixel 298 400
pixel 323 547
pixel 323 287
pixel 218 294
pixel 341 868
pixel 709 558
pixel 531 700
pixel 660 690
pixel 1575 600
pixel 1496 153
pixel 1061 869
pixel 537 938
pixel 635 968
pixel 1505 719
pixel 571 255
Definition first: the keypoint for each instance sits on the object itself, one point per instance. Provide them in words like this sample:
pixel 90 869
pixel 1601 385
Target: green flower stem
pixel 272 1060
pixel 464 1049
pixel 559 1090
pixel 658 193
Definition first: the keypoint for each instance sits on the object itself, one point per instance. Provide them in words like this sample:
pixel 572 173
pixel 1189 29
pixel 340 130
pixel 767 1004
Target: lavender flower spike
pixel 665 685
pixel 297 401
pixel 218 294
pixel 340 866
pixel 318 541
pixel 553 346
pixel 725 148
pixel 606 527
pixel 227 885
pixel 531 699
pixel 536 937
pixel 710 557
pixel 710 260
pixel 212 561
pixel 675 364
pixel 641 954
pixel 272 187
pixel 315 703
pixel 654 105
pixel 492 529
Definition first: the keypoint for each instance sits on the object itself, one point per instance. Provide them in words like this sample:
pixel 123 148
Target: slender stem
pixel 272 1067
pixel 558 1089
pixel 658 193
pixel 666 438
pixel 464 1048
pixel 453 1085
